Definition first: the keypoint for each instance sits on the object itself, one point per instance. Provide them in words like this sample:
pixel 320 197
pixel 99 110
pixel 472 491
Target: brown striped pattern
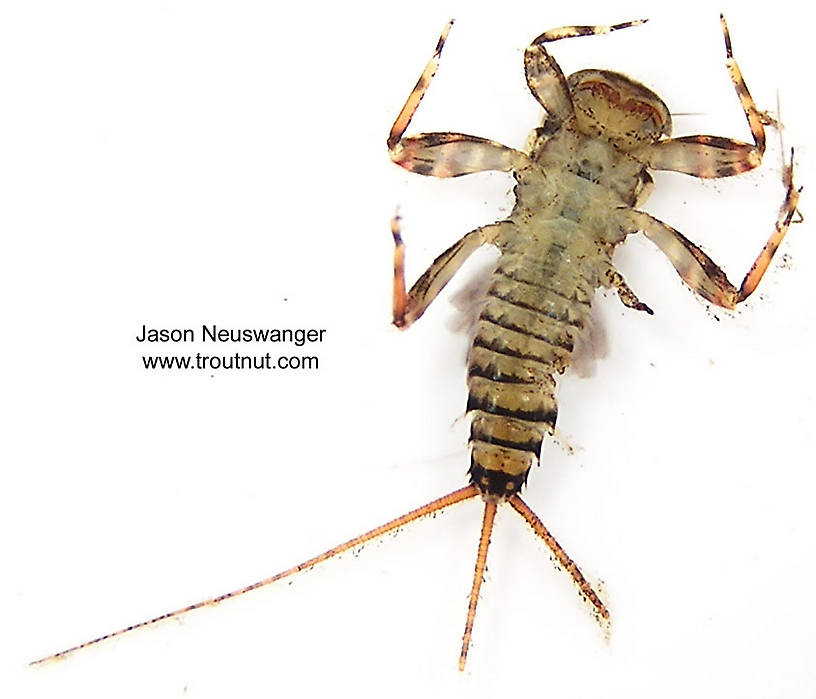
pixel 573 31
pixel 536 306
pixel 715 156
pixel 547 83
pixel 409 108
pixel 454 154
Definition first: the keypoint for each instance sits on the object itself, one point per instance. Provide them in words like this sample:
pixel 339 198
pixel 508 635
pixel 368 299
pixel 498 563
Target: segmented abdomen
pixel 537 305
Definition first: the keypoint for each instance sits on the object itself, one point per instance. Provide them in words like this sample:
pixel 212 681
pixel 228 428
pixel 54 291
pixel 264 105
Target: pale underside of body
pixel 582 175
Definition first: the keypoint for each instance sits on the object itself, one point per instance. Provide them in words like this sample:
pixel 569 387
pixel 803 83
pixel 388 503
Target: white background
pixel 180 163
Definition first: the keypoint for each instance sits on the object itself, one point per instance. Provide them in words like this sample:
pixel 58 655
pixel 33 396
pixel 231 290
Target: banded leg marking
pixel 714 156
pixel 444 154
pixel 698 270
pixel 409 108
pixel 544 76
pixel 411 305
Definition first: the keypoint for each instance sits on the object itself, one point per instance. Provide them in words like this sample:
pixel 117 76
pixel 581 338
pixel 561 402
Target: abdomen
pixel 537 305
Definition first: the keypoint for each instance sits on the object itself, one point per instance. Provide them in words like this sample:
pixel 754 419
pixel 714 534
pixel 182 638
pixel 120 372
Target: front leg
pixel 444 154
pixel 714 156
pixel 544 76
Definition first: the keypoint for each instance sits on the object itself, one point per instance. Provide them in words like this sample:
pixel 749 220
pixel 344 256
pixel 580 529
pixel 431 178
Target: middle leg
pixel 696 268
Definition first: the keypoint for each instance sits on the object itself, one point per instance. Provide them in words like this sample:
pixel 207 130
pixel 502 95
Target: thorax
pixel 579 178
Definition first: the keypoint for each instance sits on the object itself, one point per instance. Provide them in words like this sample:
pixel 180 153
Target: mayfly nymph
pixel 579 182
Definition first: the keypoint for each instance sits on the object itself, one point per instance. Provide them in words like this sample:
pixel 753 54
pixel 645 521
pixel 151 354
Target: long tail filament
pixel 599 608
pixel 478 577
pixel 471 491
pixel 433 506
